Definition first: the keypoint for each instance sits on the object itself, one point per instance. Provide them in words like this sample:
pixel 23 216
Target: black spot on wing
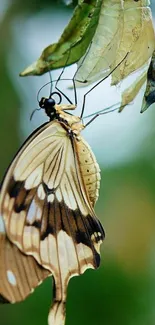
pixel 23 200
pixel 47 190
pixel 81 234
pixel 53 217
pixel 23 197
pixel 36 224
pixel 19 208
pixel 48 225
pixel 15 187
pixel 49 230
pixel 86 227
pixel 95 224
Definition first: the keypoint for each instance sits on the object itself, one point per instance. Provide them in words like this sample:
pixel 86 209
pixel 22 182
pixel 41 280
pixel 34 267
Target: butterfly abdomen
pixel 90 170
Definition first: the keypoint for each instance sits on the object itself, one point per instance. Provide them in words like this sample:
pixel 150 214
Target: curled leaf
pixel 130 93
pixel 74 41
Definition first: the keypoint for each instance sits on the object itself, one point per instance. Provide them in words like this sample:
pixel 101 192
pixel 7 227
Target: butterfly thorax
pixel 72 123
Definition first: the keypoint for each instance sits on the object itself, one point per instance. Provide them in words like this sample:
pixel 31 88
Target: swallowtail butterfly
pixel 48 226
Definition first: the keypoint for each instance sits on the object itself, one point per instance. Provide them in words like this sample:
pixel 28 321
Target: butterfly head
pixel 57 111
pixel 49 105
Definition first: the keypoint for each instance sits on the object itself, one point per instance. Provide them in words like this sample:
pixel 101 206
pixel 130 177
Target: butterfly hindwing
pixel 19 274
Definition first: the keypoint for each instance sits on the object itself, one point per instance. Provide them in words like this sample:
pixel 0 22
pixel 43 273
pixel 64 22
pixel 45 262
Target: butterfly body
pixel 47 221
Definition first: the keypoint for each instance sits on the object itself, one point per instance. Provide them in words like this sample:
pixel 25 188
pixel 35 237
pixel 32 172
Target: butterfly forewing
pixel 47 201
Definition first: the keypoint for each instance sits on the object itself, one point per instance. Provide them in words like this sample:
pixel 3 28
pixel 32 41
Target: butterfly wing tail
pixel 57 313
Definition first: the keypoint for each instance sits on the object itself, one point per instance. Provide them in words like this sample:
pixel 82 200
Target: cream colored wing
pixel 47 210
pixel 19 274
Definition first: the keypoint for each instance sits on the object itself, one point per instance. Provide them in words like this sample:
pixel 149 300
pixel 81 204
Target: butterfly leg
pixel 98 83
pixel 74 87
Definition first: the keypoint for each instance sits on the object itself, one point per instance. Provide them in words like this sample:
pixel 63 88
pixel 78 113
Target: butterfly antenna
pixel 56 88
pixel 31 116
pixel 98 83
pixel 42 88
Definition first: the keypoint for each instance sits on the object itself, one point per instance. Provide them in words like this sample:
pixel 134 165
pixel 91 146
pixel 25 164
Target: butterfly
pixel 48 226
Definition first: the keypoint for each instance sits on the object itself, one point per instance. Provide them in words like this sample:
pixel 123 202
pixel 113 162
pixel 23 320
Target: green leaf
pixel 74 41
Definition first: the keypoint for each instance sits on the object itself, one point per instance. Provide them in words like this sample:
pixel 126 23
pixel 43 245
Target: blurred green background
pixel 122 291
